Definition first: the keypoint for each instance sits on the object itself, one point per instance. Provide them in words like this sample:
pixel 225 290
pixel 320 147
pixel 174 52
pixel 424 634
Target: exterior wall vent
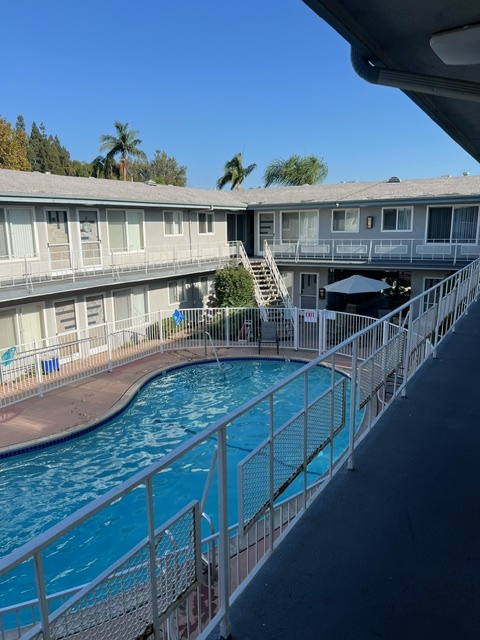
pixel 394 179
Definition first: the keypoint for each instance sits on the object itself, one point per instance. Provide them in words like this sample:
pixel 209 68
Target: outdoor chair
pixel 268 333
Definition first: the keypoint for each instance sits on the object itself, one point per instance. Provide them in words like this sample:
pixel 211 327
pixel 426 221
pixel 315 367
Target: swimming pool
pixel 43 487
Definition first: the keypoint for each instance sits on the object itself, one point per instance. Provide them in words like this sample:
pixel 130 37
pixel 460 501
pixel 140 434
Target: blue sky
pixel 205 80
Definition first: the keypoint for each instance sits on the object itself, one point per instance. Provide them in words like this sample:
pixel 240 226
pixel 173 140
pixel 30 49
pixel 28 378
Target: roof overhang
pixel 399 37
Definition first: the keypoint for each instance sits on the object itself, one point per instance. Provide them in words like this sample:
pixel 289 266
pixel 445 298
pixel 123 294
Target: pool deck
pixel 76 405
pixel 392 549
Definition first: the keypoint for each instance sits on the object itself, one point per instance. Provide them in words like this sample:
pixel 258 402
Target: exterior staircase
pixel 267 287
pixel 270 289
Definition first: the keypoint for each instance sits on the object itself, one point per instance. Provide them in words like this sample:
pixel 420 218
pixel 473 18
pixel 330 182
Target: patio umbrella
pixel 357 284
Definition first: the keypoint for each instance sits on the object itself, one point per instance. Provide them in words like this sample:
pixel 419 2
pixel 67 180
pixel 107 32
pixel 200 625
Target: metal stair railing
pixel 259 299
pixel 279 282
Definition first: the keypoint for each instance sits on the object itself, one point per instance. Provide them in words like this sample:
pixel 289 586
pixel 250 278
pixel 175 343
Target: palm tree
pixel 296 171
pixel 235 173
pixel 124 143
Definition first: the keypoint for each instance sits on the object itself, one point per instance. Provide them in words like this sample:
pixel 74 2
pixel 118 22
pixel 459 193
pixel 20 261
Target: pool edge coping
pixel 37 444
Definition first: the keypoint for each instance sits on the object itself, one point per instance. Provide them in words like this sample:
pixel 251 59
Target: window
pixel 173 223
pixel 129 303
pixel 21 325
pixel 204 286
pixel 300 225
pixel 16 233
pixel 177 291
pixel 456 225
pixel 397 219
pixel 125 230
pixel 205 223
pixel 345 220
pixel 432 297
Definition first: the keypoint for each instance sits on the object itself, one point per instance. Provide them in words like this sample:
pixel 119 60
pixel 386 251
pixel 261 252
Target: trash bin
pixel 51 365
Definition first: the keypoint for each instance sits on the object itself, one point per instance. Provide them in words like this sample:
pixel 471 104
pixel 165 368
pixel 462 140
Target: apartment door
pixel 58 240
pixel 266 230
pixel 89 238
pixel 97 329
pixel 66 322
pixel 308 291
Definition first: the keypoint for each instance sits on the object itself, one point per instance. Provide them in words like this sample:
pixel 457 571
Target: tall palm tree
pixel 235 173
pixel 296 171
pixel 124 143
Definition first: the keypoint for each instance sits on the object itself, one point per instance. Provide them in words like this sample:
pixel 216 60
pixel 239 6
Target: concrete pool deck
pixel 77 404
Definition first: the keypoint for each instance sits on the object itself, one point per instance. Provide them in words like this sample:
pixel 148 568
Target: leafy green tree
pixel 234 287
pixel 235 173
pixel 20 125
pixel 163 169
pixel 13 147
pixel 46 153
pixel 124 144
pixel 80 169
pixel 105 167
pixel 166 170
pixel 296 171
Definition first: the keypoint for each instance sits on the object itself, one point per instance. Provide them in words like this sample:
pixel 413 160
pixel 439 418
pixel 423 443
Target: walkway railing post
pixel 353 404
pixel 42 596
pixel 224 540
pixel 153 557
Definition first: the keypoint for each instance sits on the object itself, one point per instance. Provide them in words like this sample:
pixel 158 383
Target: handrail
pixel 248 266
pixel 407 354
pixel 279 282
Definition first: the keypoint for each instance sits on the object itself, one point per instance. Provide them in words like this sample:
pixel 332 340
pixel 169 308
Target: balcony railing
pixel 376 250
pixel 175 584
pixel 60 263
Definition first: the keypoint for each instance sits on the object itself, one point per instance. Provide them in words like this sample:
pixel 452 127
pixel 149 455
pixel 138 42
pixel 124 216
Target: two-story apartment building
pixel 77 252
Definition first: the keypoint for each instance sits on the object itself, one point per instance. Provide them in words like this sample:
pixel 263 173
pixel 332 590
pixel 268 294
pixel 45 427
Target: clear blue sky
pixel 205 80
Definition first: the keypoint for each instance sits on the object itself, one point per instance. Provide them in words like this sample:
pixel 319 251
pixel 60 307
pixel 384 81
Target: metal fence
pixel 47 364
pixel 173 589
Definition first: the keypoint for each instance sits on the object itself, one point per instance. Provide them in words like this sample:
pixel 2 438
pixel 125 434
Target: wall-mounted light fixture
pixel 369 222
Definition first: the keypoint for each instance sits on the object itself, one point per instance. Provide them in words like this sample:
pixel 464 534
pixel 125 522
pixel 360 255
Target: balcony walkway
pixel 392 549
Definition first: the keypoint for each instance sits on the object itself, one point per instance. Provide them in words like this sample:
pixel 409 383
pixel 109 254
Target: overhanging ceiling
pixel 396 36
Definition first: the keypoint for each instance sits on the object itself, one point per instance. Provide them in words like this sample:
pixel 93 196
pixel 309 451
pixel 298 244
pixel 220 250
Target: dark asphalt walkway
pixel 392 549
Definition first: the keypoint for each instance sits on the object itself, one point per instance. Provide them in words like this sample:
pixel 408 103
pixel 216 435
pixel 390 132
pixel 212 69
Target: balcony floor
pixel 392 549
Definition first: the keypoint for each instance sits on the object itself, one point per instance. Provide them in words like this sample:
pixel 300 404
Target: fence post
pixel 321 331
pixel 295 328
pixel 227 326
pixel 109 349
pixel 38 368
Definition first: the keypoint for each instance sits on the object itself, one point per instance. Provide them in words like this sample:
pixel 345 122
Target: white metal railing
pixel 248 266
pixel 68 264
pixel 382 359
pixel 279 281
pixel 376 250
pixel 49 363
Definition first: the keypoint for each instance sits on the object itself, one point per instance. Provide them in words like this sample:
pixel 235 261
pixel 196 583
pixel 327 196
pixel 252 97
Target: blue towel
pixel 178 316
pixel 8 356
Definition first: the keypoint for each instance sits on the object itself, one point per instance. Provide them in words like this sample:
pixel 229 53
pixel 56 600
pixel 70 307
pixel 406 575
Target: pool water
pixel 40 489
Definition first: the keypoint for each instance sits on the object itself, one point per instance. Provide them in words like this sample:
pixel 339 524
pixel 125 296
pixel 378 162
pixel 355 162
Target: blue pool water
pixel 41 488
